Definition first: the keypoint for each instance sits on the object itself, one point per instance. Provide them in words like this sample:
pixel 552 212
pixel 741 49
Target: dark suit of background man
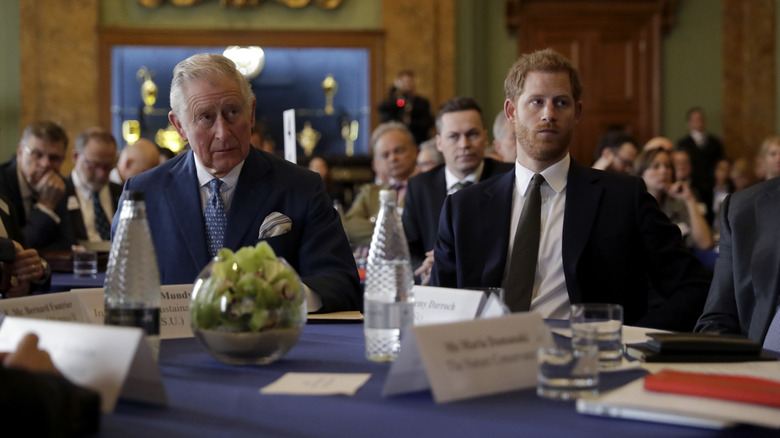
pixel 93 158
pixel 705 150
pixel 462 139
pixel 744 295
pixel 404 105
pixel 603 238
pixel 213 109
pixel 32 182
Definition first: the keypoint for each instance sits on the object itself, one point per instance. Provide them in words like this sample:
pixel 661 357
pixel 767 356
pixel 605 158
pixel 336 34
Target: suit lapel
pixel 582 201
pixel 765 262
pixel 184 199
pixel 496 205
pixel 248 201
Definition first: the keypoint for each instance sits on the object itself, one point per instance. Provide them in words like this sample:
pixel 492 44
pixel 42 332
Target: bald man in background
pixel 134 159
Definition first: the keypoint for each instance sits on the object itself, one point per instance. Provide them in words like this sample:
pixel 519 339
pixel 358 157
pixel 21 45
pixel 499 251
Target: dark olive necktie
pixel 519 280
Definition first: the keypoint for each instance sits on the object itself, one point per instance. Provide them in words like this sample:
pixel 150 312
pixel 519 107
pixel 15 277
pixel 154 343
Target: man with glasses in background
pixel 32 182
pixel 92 199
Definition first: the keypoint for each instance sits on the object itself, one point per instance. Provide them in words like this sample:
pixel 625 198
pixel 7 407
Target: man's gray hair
pixel 96 133
pixel 384 128
pixel 500 125
pixel 205 66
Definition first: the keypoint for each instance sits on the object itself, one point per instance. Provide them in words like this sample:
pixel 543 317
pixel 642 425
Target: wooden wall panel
pixel 749 75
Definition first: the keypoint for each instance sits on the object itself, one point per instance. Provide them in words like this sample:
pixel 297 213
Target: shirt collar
pixel 473 177
pixel 229 181
pixel 555 175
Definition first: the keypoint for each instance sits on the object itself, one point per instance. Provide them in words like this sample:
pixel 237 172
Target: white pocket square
pixel 275 224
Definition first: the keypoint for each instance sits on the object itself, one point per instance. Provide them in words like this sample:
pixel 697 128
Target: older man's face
pixel 94 163
pixel 399 154
pixel 37 157
pixel 216 122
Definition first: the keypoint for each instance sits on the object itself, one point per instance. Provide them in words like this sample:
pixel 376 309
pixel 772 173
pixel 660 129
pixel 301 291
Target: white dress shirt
pixel 84 196
pixel 451 179
pixel 550 297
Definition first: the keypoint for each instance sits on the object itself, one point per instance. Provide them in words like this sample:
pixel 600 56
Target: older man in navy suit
pixel 224 193
pixel 579 234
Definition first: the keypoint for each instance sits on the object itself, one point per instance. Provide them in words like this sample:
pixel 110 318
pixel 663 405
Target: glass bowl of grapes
pixel 248 307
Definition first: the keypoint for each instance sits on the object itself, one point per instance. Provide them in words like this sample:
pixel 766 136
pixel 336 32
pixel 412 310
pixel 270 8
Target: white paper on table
pixel 317 384
pixel 61 306
pixel 481 357
pixel 114 361
pixel 656 404
pixel 436 305
pixel 174 309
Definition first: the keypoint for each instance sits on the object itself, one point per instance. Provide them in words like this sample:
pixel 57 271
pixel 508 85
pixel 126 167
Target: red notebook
pixel 722 386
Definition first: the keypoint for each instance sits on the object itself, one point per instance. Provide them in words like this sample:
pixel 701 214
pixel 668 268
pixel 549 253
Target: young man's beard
pixel 543 150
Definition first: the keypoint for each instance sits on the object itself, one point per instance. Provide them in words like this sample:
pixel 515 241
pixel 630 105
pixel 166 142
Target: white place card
pixel 407 374
pixel 62 306
pixel 174 309
pixel 435 305
pixel 114 361
pixel 290 145
pixel 481 357
pixel 317 384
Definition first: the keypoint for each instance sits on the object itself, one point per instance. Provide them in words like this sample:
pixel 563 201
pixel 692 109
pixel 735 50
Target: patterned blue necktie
pixel 102 225
pixel 772 339
pixel 216 220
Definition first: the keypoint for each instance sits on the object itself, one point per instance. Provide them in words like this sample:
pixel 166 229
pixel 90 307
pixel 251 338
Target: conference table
pixel 210 399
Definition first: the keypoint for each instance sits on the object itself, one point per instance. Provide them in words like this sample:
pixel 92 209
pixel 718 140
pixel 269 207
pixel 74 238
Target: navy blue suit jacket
pixel 316 245
pixel 616 244
pixel 746 285
pixel 425 195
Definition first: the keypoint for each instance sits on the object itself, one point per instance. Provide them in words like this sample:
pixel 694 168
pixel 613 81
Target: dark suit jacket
pixel 424 198
pixel 39 229
pixel 316 245
pixel 616 242
pixel 420 119
pixel 76 218
pixel 746 285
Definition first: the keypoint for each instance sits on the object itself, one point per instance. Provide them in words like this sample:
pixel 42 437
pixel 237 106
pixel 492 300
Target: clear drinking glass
pixel 570 370
pixel 608 320
pixel 85 264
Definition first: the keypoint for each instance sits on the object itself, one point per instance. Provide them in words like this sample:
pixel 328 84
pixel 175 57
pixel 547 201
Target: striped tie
pixel 216 221
pixel 102 224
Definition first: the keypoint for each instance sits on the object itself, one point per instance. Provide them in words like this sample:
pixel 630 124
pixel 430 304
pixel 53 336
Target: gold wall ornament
pixel 239 3
pixel 308 138
pixel 349 132
pixel 170 139
pixel 148 88
pixel 294 3
pixel 330 87
pixel 131 131
pixel 329 4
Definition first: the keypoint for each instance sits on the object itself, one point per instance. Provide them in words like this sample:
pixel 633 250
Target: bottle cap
pixel 133 195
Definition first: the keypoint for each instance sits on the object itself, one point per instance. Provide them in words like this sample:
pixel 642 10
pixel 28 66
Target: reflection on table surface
pixel 210 399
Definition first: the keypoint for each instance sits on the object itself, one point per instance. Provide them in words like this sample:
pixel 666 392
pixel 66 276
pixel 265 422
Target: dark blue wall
pixel 292 78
